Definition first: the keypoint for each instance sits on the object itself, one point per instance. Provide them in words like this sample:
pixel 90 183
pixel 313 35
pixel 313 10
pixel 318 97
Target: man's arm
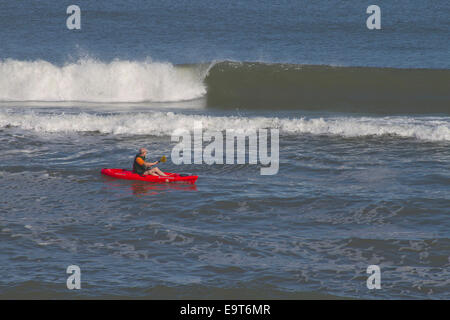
pixel 149 164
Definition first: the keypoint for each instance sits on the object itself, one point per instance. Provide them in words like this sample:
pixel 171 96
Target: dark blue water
pixel 414 33
pixel 362 181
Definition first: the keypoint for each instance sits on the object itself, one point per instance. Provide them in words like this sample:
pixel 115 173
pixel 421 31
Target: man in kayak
pixel 142 168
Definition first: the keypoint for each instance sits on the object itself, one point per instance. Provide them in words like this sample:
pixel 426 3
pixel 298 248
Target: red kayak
pixel 129 175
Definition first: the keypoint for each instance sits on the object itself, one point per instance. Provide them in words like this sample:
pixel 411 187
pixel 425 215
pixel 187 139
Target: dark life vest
pixel 137 168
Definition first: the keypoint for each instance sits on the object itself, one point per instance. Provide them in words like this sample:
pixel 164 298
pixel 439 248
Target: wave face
pixel 166 123
pixel 94 81
pixel 340 89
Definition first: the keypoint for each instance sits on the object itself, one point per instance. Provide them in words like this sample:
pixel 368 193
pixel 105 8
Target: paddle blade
pixel 163 159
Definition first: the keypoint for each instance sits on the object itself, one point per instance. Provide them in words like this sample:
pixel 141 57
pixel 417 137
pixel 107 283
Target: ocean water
pixel 364 149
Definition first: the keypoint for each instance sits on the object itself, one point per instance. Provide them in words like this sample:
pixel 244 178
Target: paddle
pixel 163 159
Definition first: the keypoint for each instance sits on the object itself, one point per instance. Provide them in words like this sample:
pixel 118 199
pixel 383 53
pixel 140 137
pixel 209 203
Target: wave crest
pixel 94 81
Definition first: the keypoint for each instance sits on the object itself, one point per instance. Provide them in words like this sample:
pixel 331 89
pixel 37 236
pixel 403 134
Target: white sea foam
pixel 165 123
pixel 94 81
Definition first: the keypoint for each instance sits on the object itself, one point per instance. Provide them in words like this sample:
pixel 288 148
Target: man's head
pixel 142 151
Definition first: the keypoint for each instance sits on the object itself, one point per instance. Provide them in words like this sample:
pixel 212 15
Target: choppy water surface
pixel 338 204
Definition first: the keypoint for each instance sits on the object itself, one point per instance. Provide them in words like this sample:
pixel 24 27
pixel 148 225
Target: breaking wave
pixel 94 81
pixel 165 123
pixel 231 85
